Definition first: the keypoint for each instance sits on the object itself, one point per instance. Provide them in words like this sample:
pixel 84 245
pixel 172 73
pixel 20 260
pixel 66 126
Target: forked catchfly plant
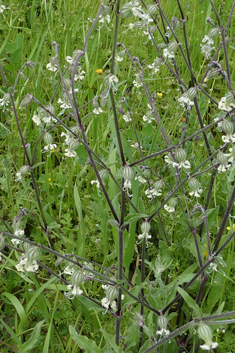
pixel 117 170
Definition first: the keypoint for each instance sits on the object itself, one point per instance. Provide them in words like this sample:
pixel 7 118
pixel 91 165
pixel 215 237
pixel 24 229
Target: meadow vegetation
pixel 117 166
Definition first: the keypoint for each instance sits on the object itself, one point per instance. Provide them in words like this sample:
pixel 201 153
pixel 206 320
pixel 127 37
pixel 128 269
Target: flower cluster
pixel 28 261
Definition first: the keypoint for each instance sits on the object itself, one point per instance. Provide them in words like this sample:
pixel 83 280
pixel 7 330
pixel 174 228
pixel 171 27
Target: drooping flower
pixel 182 162
pixel 145 228
pixel 5 101
pixel 205 333
pixel 162 324
pixel 227 103
pixel 169 52
pixel 127 174
pixel 170 207
pixel 52 66
pixel 206 50
pixel 77 279
pixel 228 127
pixel 28 261
pixel 111 293
pixel 194 186
pixel 23 171
pixel 222 158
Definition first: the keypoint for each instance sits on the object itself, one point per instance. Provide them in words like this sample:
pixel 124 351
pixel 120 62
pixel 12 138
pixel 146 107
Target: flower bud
pixel 104 174
pixel 27 100
pixel 212 74
pixel 147 173
pixel 75 129
pixel 30 64
pixel 227 127
pixel 127 172
pixel 214 32
pixel 24 169
pixel 145 227
pixel 152 9
pixel 48 138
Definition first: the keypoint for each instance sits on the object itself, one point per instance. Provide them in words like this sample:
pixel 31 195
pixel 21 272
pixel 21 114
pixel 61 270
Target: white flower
pixel 137 84
pixel 168 53
pixel 228 138
pixel 148 119
pixel 225 105
pixel 104 19
pixel 69 60
pixel 140 179
pixel 48 119
pixel 127 186
pixel 69 270
pixel 185 164
pixel 163 332
pixel 206 50
pixel 52 67
pixel 196 193
pixel 168 159
pixel 185 102
pixel 75 289
pixel 119 58
pixel 2 8
pixel 169 209
pixel 80 75
pixel 70 153
pixel 130 26
pixel 5 101
pixel 113 79
pixel 25 264
pixel 208 347
pixel 64 104
pixel 208 39
pixel 97 111
pixel 37 120
pixel 213 266
pixel 105 302
pixel 50 147
pixel 96 182
pixel 126 117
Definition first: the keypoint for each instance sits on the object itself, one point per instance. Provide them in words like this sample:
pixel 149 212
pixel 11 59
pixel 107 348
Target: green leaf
pixel 134 217
pixel 84 342
pixel 34 339
pixel 110 340
pixel 190 301
pixel 19 308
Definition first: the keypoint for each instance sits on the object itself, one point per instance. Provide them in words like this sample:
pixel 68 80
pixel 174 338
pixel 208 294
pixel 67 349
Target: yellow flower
pixel 159 94
pixel 229 228
pixel 205 253
pixel 184 119
pixel 99 71
pixel 49 179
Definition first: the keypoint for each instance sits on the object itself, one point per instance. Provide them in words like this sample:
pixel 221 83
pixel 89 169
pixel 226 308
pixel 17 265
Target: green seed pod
pixel 104 174
pixel 73 144
pixel 125 11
